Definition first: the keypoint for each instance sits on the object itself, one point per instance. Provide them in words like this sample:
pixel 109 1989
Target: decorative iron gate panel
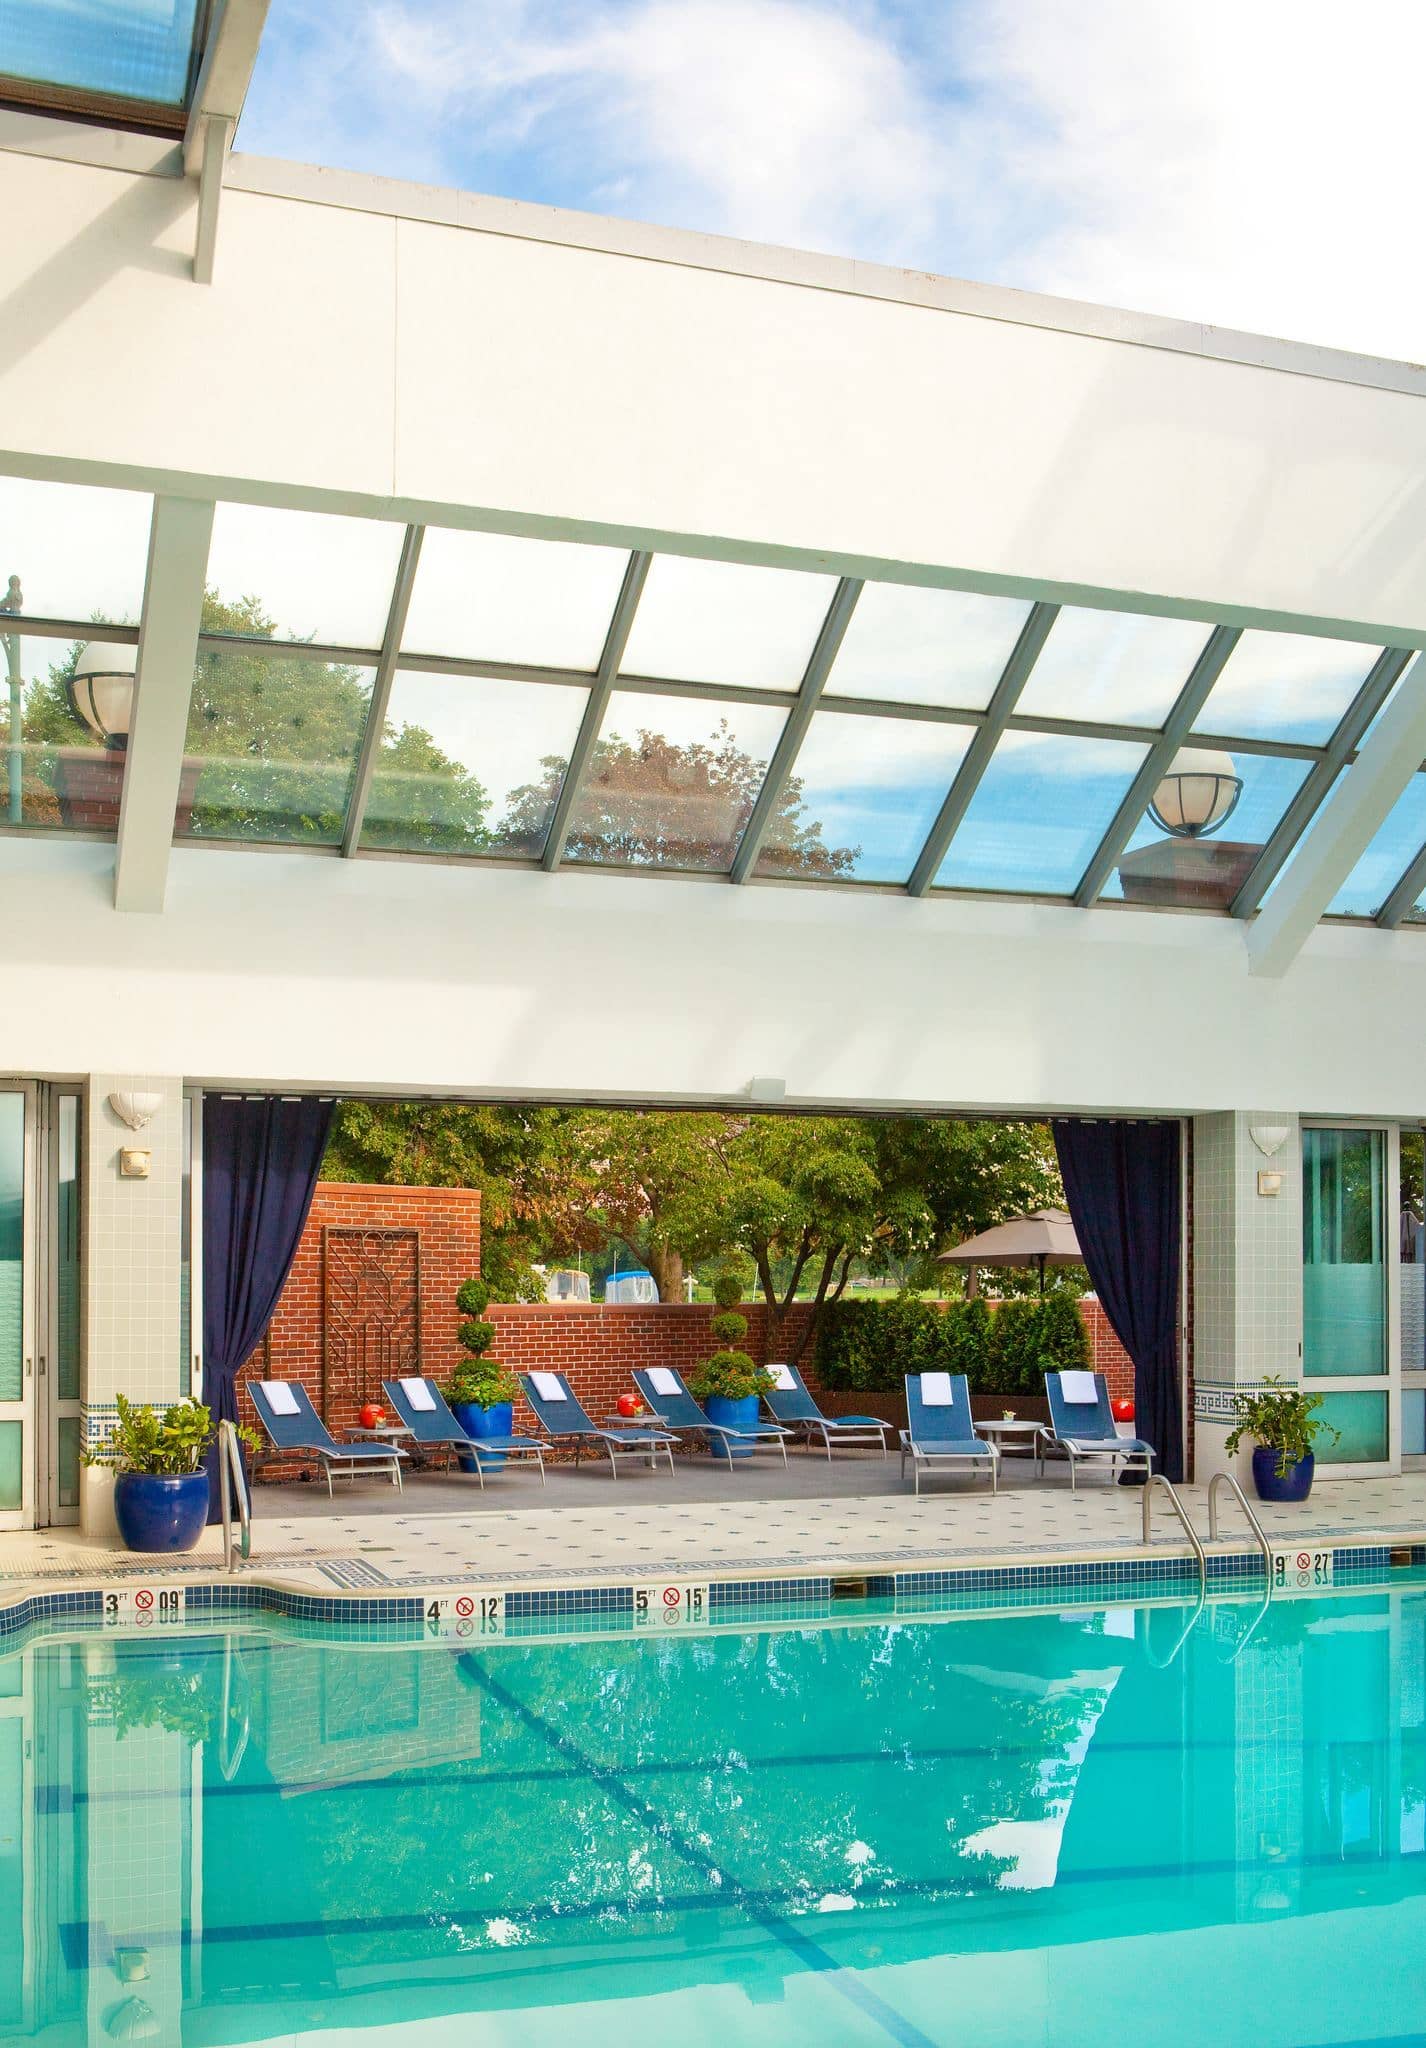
pixel 371 1308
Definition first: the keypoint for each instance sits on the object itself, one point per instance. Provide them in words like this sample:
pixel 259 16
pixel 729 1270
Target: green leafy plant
pixel 727 1288
pixel 1282 1419
pixel 165 1446
pixel 731 1374
pixel 728 1327
pixel 868 1347
pixel 478 1381
pixel 145 1694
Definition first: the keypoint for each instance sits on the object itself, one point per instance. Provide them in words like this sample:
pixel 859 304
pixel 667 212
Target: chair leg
pixel 328 1470
pixel 613 1461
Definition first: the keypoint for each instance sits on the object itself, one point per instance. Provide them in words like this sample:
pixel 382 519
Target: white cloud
pixel 1249 165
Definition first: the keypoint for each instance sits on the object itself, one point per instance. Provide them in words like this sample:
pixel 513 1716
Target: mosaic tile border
pixel 815 1598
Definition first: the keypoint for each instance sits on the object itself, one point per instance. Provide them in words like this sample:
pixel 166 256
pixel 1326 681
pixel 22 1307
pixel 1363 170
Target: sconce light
pixel 1269 1138
pixel 133 2020
pixel 134 1163
pixel 135 1109
pixel 1270 1183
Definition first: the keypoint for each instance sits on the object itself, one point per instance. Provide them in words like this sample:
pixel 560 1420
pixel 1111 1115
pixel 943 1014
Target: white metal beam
pixel 225 72
pixel 1344 828
pixel 168 646
pixel 217 141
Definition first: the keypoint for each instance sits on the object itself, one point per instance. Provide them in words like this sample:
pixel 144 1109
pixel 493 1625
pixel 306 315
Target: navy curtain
pixel 261 1158
pixel 1123 1189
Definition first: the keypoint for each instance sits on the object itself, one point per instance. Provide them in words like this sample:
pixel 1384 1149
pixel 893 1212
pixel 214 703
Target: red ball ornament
pixel 629 1404
pixel 371 1416
pixel 1122 1410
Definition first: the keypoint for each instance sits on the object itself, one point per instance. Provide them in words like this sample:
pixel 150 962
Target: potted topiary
pixel 160 1487
pixel 481 1392
pixel 729 1384
pixel 1284 1423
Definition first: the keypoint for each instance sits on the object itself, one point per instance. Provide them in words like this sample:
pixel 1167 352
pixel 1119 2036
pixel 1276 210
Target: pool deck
pixel 585 1529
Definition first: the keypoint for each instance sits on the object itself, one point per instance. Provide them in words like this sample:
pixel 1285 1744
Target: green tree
pixel 651 802
pixel 279 735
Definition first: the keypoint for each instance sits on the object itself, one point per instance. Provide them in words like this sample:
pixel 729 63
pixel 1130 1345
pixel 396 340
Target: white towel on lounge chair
pixel 1078 1389
pixel 279 1397
pixel 936 1390
pixel 663 1381
pixel 419 1395
pixel 549 1386
pixel 782 1380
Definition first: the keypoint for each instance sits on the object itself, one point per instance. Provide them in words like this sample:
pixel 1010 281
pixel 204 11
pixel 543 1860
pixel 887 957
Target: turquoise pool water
pixel 1046 1828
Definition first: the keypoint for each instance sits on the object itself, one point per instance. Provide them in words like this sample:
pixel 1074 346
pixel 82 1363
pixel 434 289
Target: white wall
pixel 278 968
pixel 404 366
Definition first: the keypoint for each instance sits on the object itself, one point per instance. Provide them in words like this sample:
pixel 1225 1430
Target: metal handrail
pixel 230 1472
pixel 1227 1479
pixel 1157 1479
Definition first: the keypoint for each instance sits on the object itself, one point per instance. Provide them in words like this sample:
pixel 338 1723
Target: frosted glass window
pixel 471 765
pixel 912 646
pixel 1343 1254
pixel 67 1254
pixel 672 782
pixel 1361 1423
pixel 496 597
pixel 1112 668
pixel 302 575
pixel 1285 686
pixel 863 794
pixel 12 1480
pixel 79 552
pixel 723 622
pixel 1395 844
pixel 1042 807
pixel 12 1248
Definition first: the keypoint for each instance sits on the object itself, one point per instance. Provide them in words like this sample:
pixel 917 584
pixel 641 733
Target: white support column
pixel 1343 829
pixel 168 646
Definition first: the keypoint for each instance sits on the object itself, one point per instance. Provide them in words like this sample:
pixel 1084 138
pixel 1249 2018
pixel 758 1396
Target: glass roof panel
pixel 496 597
pixel 271 748
pixel 863 794
pixel 906 645
pixel 471 764
pixel 135 49
pixel 54 773
pixel 1397 841
pixel 302 575
pixel 1206 873
pixel 1042 808
pixel 723 622
pixel 1112 668
pixel 79 552
pixel 672 782
pixel 1285 686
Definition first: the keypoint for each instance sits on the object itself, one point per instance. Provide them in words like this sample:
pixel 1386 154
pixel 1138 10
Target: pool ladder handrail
pixel 230 1475
pixel 1157 1479
pixel 1227 1479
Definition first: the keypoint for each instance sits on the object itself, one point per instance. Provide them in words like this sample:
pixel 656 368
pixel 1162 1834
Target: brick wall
pixel 598 1347
pixel 374 1278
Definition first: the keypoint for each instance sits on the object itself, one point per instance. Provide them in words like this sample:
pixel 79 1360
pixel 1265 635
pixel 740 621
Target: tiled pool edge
pixel 969 1587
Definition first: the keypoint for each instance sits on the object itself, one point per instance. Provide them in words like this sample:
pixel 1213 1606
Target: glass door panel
pixel 59 1353
pixel 1346 1293
pixel 16 1379
pixel 1412 1277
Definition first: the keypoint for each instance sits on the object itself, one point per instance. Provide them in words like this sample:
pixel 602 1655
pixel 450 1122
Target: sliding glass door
pixel 17 1308
pixel 1349 1288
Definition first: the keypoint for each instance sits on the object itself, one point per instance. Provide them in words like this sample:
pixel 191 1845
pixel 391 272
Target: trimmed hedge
pixel 868 1347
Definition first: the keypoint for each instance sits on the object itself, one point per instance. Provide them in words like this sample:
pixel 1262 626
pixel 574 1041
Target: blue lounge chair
pixel 671 1401
pixel 792 1406
pixel 939 1429
pixel 423 1408
pixel 1084 1429
pixel 561 1417
pixel 293 1424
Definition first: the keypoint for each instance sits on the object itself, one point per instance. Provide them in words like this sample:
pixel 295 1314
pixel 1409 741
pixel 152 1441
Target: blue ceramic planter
pixel 1295 1485
pixel 160 1513
pixel 483 1422
pixel 732 1415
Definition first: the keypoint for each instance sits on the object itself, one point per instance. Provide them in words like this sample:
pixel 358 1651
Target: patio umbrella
pixel 1043 1238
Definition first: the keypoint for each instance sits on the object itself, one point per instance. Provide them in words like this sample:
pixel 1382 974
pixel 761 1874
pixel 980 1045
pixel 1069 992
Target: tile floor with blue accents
pixel 621 1532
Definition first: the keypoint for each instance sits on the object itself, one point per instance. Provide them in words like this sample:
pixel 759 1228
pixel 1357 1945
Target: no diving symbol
pixel 143 1600
pixel 465 1605
pixel 670 1596
pixel 1304 1560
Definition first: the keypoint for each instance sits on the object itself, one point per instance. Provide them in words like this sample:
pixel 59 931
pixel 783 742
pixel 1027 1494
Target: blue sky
pixel 1246 162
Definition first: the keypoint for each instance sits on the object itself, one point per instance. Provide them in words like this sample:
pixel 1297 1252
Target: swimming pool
pixel 1042 1827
